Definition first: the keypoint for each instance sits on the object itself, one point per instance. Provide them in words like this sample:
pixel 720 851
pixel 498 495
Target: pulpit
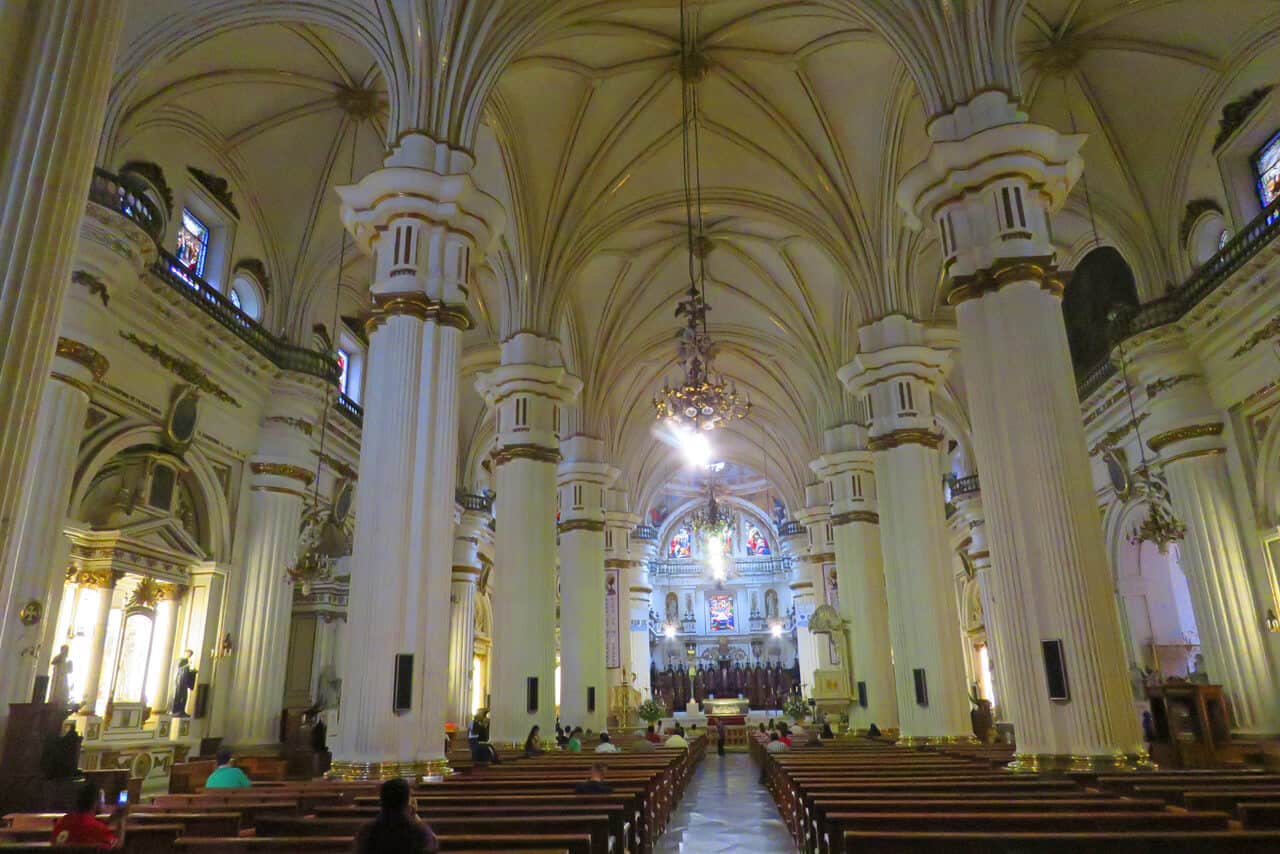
pixel 1191 728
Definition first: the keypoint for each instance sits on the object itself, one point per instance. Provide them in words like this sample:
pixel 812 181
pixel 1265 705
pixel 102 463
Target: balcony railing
pixel 1231 257
pixel 645 533
pixel 790 528
pixel 468 501
pixel 352 410
pixel 741 567
pixel 965 486
pixel 108 190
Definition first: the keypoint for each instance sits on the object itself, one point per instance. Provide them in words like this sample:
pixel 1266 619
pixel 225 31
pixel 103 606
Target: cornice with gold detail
pixel 82 354
pixel 1113 437
pixel 1166 383
pixel 905 436
pixel 620 563
pixel 415 304
pixel 101 579
pixel 284 470
pixel 1182 434
pixel 1007 271
pixel 537 453
pixel 855 516
pixel 82 387
pixel 180 367
pixel 592 525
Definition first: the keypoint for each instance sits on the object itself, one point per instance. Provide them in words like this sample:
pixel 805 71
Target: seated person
pixel 396 829
pixel 775 745
pixel 562 737
pixel 605 745
pixel 575 740
pixel 826 731
pixel 226 775
pixel 873 731
pixel 82 826
pixel 532 744
pixel 650 734
pixel 594 784
pixel 644 745
pixel 676 740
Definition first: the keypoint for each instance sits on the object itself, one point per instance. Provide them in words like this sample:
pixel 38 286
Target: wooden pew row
pixel 151 839
pixel 473 844
pixel 594 826
pixel 989 842
pixel 34 826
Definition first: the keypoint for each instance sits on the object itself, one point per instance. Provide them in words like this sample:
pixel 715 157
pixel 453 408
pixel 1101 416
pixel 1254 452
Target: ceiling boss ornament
pixel 703 399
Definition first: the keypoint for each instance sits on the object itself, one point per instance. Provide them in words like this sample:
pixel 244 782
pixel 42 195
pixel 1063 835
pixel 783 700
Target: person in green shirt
pixel 226 775
pixel 575 740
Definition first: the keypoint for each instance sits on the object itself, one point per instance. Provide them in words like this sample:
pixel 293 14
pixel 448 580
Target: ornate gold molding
pixel 1166 383
pixel 83 387
pixel 1007 271
pixel 342 769
pixel 92 284
pixel 1190 455
pixel 1182 434
pixel 620 563
pixel 101 579
pixel 284 470
pixel 419 305
pixel 530 451
pixel 855 516
pixel 580 525
pixel 1036 763
pixel 302 425
pixel 1112 437
pixel 83 354
pixel 906 436
pixel 1267 332
pixel 180 367
pixel 823 557
pixel 337 465
pixel 462 572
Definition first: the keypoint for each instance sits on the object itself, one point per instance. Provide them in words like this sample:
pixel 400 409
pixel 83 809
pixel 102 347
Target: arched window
pixel 245 295
pixel 681 543
pixel 1100 282
pixel 193 243
pixel 1266 169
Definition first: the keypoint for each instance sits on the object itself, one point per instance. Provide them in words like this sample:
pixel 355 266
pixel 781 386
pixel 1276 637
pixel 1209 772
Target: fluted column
pixel 1186 429
pixel 526 391
pixel 105 584
pixel 990 189
pixel 969 508
pixel 896 373
pixel 159 701
pixel 54 90
pixel 420 216
pixel 815 517
pixel 804 585
pixel 849 470
pixel 43 548
pixel 582 479
pixel 467 568
pixel 634 590
pixel 644 548
pixel 281 475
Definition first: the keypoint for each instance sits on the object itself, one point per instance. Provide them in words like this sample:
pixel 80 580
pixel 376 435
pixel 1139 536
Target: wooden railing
pixel 1133 320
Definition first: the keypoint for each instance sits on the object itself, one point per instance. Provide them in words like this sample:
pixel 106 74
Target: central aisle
pixel 726 809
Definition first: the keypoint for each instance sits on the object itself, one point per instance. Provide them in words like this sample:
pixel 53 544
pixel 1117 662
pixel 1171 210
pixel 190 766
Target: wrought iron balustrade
pixel 352 410
pixel 644 533
pixel 965 486
pixel 469 501
pixel 740 567
pixel 109 191
pixel 790 528
pixel 1133 320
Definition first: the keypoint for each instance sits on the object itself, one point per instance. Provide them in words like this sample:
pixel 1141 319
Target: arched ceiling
pixel 810 116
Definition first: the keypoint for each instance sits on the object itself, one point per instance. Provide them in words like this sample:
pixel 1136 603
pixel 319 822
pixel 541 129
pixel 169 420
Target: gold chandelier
pixel 704 399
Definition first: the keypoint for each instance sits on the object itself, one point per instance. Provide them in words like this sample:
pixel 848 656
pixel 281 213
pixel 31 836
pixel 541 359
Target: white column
pixel 526 393
pixel 812 650
pixel 467 567
pixel 39 571
pixel 1186 429
pixel 634 592
pixel 164 655
pixel 105 583
pixel 850 471
pixel 990 194
pixel 979 553
pixel 420 216
pixel 281 475
pixel 804 586
pixel 582 479
pixel 896 373
pixel 54 93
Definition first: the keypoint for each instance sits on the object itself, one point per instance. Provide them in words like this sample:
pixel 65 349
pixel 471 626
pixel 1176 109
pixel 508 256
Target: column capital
pixel 990 194
pixel 900 364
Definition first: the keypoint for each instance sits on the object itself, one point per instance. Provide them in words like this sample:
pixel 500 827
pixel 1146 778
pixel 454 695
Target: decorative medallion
pixel 146 594
pixel 31 613
pixel 184 413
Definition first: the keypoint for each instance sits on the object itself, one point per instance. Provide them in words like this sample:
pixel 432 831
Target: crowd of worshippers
pixel 570 739
pixel 763 687
pixel 779 736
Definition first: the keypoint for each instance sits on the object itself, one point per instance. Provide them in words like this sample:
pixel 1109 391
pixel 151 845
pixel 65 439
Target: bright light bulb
pixel 669 630
pixel 696 447
pixel 777 630
pixel 716 558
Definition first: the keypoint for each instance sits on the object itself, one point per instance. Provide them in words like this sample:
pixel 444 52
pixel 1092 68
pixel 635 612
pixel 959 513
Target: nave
pixel 726 809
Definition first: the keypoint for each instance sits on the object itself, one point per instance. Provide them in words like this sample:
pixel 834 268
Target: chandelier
pixel 704 399
pixel 1160 527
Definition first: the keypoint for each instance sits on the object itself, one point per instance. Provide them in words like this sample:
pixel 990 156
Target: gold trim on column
pixel 73 382
pixel 284 470
pixel 1007 271
pixel 620 563
pixel 83 354
pixel 1182 434
pixel 1190 455
pixel 855 516
pixel 905 436
pixel 580 525
pixel 419 305
pixel 935 740
pixel 345 770
pixel 530 451
pixel 461 572
pixel 1038 763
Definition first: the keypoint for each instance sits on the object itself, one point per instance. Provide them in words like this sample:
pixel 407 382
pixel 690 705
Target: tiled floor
pixel 726 809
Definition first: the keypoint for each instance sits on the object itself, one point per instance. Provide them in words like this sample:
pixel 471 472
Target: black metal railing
pixel 109 191
pixel 1132 320
pixel 790 528
pixel 964 486
pixel 352 410
pixel 469 501
pixel 644 533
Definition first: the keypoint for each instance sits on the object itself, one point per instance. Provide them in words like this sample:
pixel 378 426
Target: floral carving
pixel 183 368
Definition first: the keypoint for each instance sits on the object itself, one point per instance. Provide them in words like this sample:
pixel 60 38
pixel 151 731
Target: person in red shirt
pixel 82 826
pixel 650 735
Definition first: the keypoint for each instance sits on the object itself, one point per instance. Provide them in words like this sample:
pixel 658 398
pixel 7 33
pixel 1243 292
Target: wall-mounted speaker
pixel 591 698
pixel 1055 670
pixel 862 694
pixel 922 686
pixel 402 683
pixel 531 697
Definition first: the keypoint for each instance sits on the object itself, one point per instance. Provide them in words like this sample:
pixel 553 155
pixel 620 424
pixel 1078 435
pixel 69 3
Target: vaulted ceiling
pixel 809 117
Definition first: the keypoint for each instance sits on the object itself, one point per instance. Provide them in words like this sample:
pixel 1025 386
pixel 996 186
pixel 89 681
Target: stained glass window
pixel 193 243
pixel 720 612
pixel 344 363
pixel 681 543
pixel 1266 165
pixel 757 544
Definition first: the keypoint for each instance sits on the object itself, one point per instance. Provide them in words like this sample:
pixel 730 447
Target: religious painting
pixel 193 243
pixel 1266 165
pixel 720 610
pixel 757 545
pixel 681 543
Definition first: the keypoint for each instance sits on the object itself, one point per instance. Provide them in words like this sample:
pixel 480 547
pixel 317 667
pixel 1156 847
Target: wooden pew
pixel 1259 816
pixel 988 842
pixel 595 826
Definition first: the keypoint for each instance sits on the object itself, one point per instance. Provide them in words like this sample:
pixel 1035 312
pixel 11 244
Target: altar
pixel 727 707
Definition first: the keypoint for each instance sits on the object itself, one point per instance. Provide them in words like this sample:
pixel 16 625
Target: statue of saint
pixel 184 679
pixel 60 678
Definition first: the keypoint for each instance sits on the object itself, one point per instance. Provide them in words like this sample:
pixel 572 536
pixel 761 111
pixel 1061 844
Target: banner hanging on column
pixel 612 643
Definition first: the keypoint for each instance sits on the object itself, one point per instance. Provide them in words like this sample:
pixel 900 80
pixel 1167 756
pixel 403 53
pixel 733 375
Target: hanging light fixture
pixel 325 537
pixel 704 399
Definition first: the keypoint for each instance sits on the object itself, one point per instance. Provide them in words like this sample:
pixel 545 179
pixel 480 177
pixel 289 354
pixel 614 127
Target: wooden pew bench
pixel 595 826
pixel 1259 816
pixel 988 842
